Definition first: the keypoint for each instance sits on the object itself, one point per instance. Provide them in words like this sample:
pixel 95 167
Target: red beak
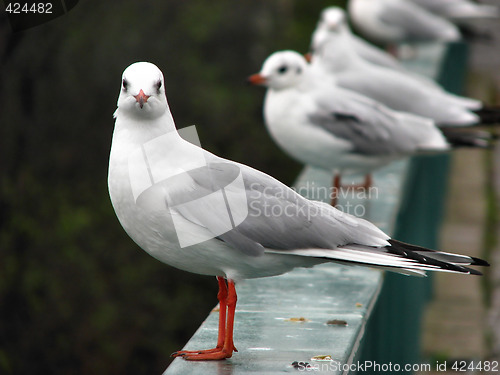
pixel 308 57
pixel 256 79
pixel 141 98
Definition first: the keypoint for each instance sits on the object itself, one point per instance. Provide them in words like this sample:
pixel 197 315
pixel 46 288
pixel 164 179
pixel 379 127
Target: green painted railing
pixel 394 330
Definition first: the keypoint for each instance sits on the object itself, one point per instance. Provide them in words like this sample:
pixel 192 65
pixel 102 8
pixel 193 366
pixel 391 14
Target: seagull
pixel 337 61
pixel 333 20
pixel 204 214
pixel 396 21
pixel 335 129
pixel 459 10
pixel 333 32
pixel 464 13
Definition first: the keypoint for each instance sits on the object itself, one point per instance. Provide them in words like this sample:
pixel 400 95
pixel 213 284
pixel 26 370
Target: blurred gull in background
pixel 333 33
pixel 335 129
pixel 465 14
pixel 334 56
pixel 333 20
pixel 396 21
pixel 459 10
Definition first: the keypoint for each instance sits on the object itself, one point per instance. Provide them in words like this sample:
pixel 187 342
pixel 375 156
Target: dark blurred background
pixel 77 296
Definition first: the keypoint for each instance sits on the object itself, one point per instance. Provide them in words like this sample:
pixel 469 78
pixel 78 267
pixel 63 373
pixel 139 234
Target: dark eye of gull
pixel 282 69
pixel 125 84
pixel 158 85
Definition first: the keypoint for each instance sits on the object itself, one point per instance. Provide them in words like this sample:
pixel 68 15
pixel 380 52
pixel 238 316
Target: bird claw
pixel 208 355
pixel 183 353
pixel 202 355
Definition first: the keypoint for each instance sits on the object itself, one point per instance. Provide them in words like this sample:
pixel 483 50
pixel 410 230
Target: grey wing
pixel 268 214
pixel 432 5
pixel 417 23
pixel 281 219
pixel 371 128
pixel 374 54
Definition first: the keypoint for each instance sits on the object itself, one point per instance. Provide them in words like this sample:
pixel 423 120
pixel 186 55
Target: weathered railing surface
pixel 351 314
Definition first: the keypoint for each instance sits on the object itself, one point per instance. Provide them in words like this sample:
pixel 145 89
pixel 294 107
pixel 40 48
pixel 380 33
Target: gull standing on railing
pixel 333 19
pixel 204 214
pixel 335 129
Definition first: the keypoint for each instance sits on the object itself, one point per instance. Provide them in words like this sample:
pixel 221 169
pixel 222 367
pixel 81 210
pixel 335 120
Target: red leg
pixel 221 296
pixel 368 181
pixel 337 185
pixel 366 184
pixel 392 49
pixel 225 346
pixel 232 298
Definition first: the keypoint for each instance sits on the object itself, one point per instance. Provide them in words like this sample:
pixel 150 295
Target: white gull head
pixel 283 69
pixel 142 92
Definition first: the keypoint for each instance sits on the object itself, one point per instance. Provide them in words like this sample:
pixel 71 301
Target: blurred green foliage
pixel 77 296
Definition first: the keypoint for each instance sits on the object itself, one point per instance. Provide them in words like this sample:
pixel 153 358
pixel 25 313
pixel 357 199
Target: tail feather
pixel 458 137
pixel 489 115
pixel 397 257
pixel 443 260
pixel 471 34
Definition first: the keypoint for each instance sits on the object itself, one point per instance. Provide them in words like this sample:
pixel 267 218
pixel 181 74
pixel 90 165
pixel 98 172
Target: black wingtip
pixel 489 115
pixel 416 252
pixel 459 137
pixel 474 272
pixel 479 262
pixel 471 34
